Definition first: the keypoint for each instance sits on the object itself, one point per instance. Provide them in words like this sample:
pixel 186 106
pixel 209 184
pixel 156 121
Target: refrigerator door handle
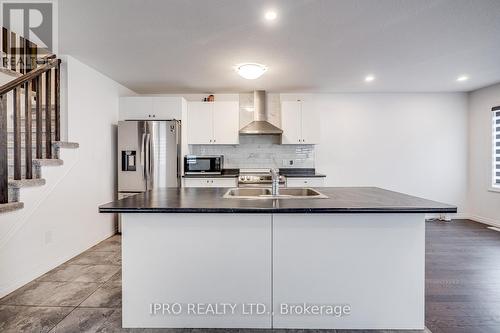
pixel 148 160
pixel 142 155
pixel 151 165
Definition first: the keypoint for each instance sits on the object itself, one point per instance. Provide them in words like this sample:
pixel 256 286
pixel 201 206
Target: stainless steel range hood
pixel 260 124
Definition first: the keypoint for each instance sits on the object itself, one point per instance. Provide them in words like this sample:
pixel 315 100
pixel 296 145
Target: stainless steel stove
pixel 257 178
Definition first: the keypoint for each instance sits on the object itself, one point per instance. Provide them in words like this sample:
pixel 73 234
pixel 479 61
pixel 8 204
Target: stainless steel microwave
pixel 203 164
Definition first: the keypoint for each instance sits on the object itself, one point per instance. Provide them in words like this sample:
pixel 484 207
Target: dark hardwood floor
pixel 462 277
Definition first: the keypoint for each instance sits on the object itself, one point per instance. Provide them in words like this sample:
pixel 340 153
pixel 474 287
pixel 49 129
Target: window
pixel 496 146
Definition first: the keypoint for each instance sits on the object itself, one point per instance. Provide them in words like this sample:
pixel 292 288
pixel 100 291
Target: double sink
pixel 265 193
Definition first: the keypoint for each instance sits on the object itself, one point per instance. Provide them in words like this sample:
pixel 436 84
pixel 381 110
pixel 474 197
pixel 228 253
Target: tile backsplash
pixel 259 151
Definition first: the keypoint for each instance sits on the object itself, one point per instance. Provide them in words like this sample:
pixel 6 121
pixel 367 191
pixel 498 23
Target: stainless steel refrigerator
pixel 149 155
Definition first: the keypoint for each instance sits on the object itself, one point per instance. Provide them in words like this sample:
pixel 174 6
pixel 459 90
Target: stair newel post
pixel 27 138
pixel 57 100
pixel 48 115
pixel 38 116
pixel 17 132
pixel 4 164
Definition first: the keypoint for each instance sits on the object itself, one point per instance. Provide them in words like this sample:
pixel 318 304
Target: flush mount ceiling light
pixel 369 78
pixel 462 78
pixel 251 71
pixel 270 15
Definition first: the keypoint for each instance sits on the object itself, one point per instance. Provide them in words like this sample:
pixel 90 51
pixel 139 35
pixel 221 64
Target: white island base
pixel 364 271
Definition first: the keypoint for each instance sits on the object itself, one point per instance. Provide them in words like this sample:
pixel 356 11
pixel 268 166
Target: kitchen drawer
pixel 305 182
pixel 210 182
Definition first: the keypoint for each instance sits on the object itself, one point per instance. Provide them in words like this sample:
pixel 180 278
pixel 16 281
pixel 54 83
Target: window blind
pixel 496 146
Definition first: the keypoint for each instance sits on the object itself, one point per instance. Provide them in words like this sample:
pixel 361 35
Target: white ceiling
pixel 173 46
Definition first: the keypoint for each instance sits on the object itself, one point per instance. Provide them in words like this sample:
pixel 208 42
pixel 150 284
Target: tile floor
pixel 84 295
pixel 81 295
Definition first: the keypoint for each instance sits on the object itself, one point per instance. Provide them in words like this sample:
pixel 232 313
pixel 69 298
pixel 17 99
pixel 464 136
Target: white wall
pixel 61 219
pixel 411 143
pixel 414 143
pixel 483 204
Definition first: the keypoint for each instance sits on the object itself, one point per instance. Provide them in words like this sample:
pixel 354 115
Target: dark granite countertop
pixel 340 200
pixel 300 172
pixel 226 173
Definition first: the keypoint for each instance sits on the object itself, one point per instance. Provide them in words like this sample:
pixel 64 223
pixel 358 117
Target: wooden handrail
pixel 39 80
pixel 28 77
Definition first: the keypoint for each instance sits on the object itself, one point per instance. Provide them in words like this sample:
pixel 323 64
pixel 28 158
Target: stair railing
pixel 32 85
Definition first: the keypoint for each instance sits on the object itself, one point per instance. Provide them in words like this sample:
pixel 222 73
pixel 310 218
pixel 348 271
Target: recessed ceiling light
pixel 251 71
pixel 369 78
pixel 462 78
pixel 270 15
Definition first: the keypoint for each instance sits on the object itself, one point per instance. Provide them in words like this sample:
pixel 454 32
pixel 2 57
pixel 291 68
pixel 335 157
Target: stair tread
pixel 47 161
pixel 11 206
pixel 66 144
pixel 10 72
pixel 20 183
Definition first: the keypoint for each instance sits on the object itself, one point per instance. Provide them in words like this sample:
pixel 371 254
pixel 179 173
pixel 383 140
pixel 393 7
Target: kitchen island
pixel 352 260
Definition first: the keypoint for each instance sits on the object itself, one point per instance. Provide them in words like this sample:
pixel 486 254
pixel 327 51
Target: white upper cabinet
pixel 290 122
pixel 200 123
pixel 300 123
pixel 226 122
pixel 167 108
pixel 135 108
pixel 311 123
pixel 151 108
pixel 213 123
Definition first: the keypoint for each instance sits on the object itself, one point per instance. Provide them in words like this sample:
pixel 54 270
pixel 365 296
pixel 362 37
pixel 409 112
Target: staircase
pixel 29 119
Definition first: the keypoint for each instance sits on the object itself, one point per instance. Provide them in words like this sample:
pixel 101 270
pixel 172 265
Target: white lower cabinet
pixel 187 262
pixel 369 267
pixel 210 182
pixel 350 271
pixel 305 182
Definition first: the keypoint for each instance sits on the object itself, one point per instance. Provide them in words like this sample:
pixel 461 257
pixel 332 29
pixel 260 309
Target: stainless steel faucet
pixel 275 189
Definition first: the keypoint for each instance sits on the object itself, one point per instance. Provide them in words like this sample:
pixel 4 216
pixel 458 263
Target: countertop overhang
pixel 340 200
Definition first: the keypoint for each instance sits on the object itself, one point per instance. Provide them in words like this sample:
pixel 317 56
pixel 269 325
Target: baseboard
pixel 33 276
pixel 464 216
pixel 48 267
pixel 455 216
pixel 484 220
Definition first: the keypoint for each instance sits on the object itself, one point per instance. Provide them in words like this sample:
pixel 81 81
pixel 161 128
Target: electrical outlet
pixel 287 162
